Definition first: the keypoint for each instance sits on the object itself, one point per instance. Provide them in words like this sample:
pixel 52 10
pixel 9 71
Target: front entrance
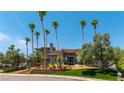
pixel 70 60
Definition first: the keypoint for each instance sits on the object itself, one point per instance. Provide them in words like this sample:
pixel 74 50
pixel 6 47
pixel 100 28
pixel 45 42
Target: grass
pixel 93 74
pixel 108 74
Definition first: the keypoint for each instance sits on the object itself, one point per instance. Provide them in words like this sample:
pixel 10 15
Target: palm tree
pixel 42 14
pixel 11 47
pixel 55 25
pixel 37 34
pixel 32 27
pixel 83 24
pixel 27 42
pixel 47 32
pixel 94 23
pixel 37 38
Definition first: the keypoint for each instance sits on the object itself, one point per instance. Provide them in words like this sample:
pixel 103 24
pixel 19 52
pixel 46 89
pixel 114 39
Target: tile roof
pixel 69 50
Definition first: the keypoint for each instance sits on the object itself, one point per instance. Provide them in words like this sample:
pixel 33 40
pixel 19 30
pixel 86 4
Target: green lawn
pixel 98 75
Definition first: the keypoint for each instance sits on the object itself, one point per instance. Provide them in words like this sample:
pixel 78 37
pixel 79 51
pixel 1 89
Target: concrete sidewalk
pixel 42 77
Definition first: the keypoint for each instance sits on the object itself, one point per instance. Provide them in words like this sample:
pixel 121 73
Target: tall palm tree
pixel 42 14
pixel 27 42
pixel 32 27
pixel 37 38
pixel 47 33
pixel 55 25
pixel 12 47
pixel 83 24
pixel 94 22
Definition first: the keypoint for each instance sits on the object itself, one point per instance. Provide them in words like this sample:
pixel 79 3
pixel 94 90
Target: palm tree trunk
pixel 101 54
pixel 46 39
pixel 46 44
pixel 27 55
pixel 37 49
pixel 32 48
pixel 57 45
pixel 95 29
pixel 27 51
pixel 82 37
pixel 44 58
pixel 57 39
pixel 37 44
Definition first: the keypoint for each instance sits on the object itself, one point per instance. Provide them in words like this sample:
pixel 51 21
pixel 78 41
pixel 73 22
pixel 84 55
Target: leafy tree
pixel 85 55
pixel 14 57
pixel 102 49
pixel 119 59
pixel 116 57
pixel 1 57
pixel 38 57
pixel 121 65
pixel 30 58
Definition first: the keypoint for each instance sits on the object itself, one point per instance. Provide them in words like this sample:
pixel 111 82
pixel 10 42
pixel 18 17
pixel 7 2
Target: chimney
pixel 51 46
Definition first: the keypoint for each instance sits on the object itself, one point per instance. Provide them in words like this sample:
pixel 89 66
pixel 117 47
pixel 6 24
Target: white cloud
pixel 6 40
pixel 21 44
pixel 3 37
pixel 21 41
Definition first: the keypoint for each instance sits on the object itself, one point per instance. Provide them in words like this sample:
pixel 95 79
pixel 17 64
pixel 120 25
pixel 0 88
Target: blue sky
pixel 14 28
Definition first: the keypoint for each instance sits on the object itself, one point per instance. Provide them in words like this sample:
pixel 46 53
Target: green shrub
pixel 93 72
pixel 112 72
pixel 89 72
pixel 121 65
